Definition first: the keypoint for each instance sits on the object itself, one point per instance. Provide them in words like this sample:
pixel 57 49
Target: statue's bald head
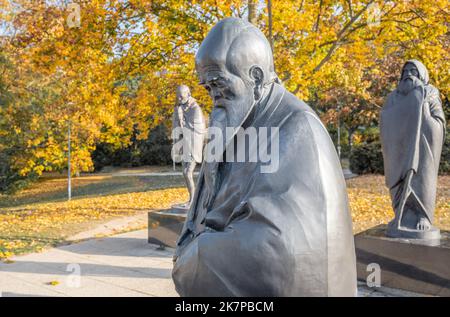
pixel 235 64
pixel 183 94
pixel 236 45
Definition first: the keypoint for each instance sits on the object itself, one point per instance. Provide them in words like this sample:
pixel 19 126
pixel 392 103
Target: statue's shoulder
pixel 287 111
pixel 301 115
pixel 432 92
pixel 175 109
pixel 431 89
pixel 392 94
pixel 193 104
pixel 295 105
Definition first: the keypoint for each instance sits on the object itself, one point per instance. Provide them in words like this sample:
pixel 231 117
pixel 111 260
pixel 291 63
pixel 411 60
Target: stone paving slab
pixel 121 265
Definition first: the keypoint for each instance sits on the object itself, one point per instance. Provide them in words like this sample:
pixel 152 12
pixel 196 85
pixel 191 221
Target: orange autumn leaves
pixel 371 205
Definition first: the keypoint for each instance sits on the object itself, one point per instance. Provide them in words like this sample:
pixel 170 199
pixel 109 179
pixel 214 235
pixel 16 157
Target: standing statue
pixel 188 126
pixel 412 134
pixel 284 231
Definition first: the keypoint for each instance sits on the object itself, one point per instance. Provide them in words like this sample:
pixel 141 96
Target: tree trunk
pixel 269 9
pixel 252 11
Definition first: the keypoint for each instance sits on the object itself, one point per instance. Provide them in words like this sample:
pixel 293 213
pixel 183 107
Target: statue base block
pixel 433 235
pixel 179 208
pixel 164 227
pixel 416 265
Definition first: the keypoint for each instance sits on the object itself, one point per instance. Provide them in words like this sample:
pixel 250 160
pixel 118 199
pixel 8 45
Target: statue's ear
pixel 257 75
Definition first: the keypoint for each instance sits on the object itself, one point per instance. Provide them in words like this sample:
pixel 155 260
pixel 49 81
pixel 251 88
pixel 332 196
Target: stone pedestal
pixel 164 227
pixel 432 236
pixel 414 265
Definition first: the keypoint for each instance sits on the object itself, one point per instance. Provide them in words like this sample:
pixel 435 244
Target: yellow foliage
pixel 120 67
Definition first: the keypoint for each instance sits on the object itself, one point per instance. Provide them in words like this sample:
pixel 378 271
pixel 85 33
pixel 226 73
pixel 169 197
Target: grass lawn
pixel 41 216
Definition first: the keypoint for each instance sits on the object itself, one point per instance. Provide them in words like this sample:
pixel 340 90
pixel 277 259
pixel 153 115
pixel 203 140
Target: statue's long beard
pixel 408 84
pixel 222 118
pixel 218 119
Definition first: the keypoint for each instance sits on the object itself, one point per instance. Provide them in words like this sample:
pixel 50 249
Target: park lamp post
pixel 339 131
pixel 69 170
pixel 161 74
pixel 69 180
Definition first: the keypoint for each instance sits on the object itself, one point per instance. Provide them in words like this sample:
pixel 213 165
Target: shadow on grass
pixel 90 186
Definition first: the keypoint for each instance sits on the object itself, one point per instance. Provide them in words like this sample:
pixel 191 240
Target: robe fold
pixel 286 233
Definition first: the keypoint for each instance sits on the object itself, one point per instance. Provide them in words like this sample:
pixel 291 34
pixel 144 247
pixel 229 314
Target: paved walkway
pixel 121 265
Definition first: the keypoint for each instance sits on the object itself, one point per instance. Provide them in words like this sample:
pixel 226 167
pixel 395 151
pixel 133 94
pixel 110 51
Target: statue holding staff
pixel 412 128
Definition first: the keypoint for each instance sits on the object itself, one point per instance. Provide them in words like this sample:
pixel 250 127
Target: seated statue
pixel 412 130
pixel 282 231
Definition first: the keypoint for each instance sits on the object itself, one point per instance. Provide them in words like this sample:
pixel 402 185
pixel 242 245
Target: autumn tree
pixel 110 68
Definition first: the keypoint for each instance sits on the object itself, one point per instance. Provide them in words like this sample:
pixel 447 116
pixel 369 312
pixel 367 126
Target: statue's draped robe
pixel 287 233
pixel 190 118
pixel 412 133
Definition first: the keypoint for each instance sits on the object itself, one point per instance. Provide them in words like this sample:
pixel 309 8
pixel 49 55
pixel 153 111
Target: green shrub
pixel 367 158
pixel 444 167
pixel 155 150
pixel 10 180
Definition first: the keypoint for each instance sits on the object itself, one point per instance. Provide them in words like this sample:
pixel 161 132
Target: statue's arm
pixel 175 120
pixel 176 123
pixel 435 105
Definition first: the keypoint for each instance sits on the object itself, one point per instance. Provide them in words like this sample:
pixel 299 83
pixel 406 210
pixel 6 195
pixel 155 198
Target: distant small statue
pixel 188 135
pixel 412 134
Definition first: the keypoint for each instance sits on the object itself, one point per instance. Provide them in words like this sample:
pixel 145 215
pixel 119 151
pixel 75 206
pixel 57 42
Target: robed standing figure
pixel 412 128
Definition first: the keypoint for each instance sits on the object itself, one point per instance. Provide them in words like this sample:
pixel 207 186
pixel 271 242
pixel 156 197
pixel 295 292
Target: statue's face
pixel 183 94
pixel 410 79
pixel 410 70
pixel 230 93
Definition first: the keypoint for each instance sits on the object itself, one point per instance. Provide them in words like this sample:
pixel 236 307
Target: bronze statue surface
pixel 284 231
pixel 412 130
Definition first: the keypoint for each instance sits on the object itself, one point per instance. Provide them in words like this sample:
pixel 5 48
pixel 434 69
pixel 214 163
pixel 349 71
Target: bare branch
pixel 340 35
